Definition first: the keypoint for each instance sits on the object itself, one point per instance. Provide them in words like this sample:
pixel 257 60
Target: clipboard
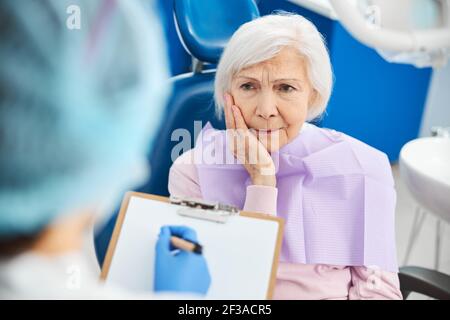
pixel 129 263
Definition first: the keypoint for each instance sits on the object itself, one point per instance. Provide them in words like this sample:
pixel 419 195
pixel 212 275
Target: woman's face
pixel 274 96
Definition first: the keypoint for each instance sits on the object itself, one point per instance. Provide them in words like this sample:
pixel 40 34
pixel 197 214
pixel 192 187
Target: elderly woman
pixel 335 193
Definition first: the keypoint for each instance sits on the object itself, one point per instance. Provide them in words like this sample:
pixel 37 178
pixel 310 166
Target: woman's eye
pixel 247 86
pixel 286 88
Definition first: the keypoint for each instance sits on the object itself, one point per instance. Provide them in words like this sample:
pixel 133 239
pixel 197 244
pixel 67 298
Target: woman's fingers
pixel 226 111
pixel 238 118
pixel 229 121
pixel 244 144
pixel 246 147
pixel 229 118
pixel 233 115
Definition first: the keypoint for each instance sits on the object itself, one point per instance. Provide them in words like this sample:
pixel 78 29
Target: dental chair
pixel 431 283
pixel 204 27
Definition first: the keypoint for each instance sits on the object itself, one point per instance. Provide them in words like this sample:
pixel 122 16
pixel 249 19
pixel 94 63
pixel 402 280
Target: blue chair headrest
pixel 205 26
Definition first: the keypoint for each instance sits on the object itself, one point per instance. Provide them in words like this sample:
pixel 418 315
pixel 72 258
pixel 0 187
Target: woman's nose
pixel 267 107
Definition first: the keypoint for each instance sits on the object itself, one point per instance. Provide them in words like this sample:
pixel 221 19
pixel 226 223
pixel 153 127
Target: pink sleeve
pixel 374 284
pixel 184 182
pixel 311 282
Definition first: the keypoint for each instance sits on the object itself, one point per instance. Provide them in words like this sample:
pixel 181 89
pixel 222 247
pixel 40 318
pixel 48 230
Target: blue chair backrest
pixel 204 27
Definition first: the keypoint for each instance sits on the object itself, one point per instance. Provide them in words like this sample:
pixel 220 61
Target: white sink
pixel 425 168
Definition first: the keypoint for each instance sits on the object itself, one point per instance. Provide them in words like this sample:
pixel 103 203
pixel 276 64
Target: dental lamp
pixel 403 31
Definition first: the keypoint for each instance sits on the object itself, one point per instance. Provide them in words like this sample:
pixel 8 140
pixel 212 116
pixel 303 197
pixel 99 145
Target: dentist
pixel 78 111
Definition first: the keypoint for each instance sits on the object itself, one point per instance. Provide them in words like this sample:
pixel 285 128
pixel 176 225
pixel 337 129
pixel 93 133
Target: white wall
pixel 437 109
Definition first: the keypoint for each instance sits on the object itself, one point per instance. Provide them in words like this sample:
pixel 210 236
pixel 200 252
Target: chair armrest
pixel 432 283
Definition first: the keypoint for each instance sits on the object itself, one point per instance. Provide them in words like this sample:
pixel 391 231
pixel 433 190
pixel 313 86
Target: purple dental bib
pixel 335 193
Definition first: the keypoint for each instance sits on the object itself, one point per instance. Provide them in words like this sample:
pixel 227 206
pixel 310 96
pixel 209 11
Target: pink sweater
pixel 296 281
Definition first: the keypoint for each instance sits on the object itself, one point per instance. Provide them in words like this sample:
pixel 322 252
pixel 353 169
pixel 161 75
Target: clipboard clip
pixel 203 209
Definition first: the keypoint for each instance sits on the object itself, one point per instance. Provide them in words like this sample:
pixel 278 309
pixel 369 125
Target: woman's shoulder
pixel 338 136
pixel 183 177
pixel 184 165
pixel 350 151
pixel 186 158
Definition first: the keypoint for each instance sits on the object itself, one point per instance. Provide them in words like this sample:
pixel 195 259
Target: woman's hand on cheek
pixel 246 147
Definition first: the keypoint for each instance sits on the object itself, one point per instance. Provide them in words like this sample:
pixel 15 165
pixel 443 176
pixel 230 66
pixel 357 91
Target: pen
pixel 187 245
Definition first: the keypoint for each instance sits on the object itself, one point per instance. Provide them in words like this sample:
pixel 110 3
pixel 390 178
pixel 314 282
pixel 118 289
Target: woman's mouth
pixel 266 131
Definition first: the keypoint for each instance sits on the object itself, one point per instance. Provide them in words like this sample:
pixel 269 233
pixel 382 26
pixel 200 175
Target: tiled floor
pixel 423 253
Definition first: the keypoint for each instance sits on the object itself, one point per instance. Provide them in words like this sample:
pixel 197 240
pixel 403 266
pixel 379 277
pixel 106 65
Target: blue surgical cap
pixel 79 104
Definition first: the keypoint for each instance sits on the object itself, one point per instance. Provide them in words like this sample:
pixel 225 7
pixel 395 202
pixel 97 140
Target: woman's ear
pixel 312 102
pixel 312 97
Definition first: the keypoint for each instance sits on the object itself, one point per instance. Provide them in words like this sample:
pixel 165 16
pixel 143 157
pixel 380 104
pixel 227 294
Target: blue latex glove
pixel 181 272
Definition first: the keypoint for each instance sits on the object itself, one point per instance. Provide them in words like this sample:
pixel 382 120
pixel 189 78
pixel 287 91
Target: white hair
pixel 262 39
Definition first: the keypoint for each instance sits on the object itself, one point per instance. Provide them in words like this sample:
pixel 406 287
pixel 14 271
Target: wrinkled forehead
pixel 287 64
